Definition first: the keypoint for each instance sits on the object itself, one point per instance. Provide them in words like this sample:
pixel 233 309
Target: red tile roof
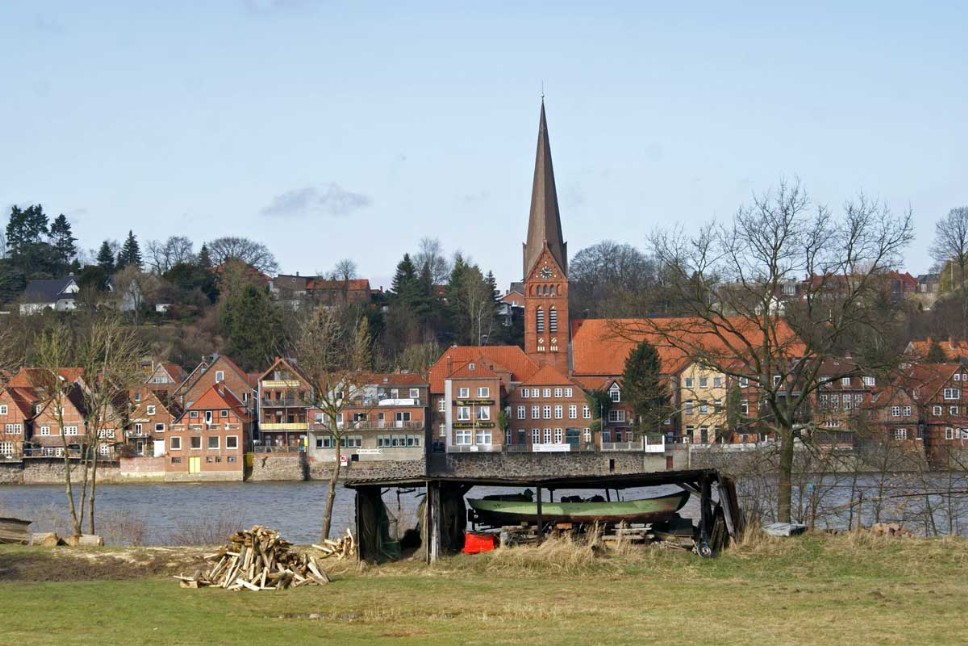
pixel 217 397
pixel 480 370
pixel 601 346
pixel 509 357
pixel 951 348
pixel 547 376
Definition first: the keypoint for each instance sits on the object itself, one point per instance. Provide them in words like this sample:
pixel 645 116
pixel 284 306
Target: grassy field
pixel 814 589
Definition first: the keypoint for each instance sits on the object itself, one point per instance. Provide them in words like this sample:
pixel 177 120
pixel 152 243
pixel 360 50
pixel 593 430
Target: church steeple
pixel 544 224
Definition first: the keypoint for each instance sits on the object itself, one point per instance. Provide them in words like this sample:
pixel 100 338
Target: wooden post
pixel 705 507
pixel 539 511
pixel 433 521
pixel 360 543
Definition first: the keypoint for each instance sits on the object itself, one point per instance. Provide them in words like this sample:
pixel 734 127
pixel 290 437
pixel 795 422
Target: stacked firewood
pixel 340 548
pixel 257 559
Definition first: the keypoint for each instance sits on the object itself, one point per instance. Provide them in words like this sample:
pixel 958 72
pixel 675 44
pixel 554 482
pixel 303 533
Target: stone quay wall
pixel 522 465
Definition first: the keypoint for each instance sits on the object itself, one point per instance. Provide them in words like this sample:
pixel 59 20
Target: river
pixel 178 513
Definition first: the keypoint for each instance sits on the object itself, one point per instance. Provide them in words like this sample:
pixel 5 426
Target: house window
pixel 13 429
pixel 539 320
pixel 464 413
pixel 71 430
pixel 219 376
pixel 687 382
pixel 522 412
pixel 150 409
pixel 949 433
pixel 3 409
pixel 718 405
pixel 744 382
pixel 900 434
pixel 174 443
pixel 744 407
pixel 442 430
pixel 845 381
pixel 195 442
pixel 568 392
pixel 482 437
pixel 688 408
pixel 616 416
pixel 414 393
pixel 552 320
pixel 717 382
pixel 858 399
pixel 483 391
pixel 559 411
pixel 45 430
pixel 615 393
pixel 573 411
pixel 138 428
pixel 546 393
pixel 536 412
pixel 952 410
pixel 547 412
pixel 776 380
pixel 525 393
pixel 223 413
pixel 6 448
pixel 559 436
pixel 213 442
pixel 952 393
pixel 906 411
pixel 703 407
pixel 869 381
pixel 536 436
pixel 484 413
pixel 703 381
pixel 160 427
pixel 935 410
pixel 547 436
pixel 441 405
pixel 463 437
pixel 193 414
pixel 463 393
pixel 895 411
pixel 587 434
pixel 558 393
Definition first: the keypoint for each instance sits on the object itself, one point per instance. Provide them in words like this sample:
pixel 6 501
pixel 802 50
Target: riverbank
pixel 842 589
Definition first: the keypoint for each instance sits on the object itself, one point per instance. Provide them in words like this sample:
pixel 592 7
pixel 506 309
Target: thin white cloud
pixel 330 199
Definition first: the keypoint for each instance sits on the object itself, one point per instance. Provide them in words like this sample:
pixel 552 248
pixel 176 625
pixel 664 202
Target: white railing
pixel 475 448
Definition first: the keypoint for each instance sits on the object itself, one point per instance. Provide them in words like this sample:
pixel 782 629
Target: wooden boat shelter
pixel 444 514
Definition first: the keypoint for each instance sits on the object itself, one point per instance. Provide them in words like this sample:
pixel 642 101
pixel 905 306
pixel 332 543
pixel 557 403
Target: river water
pixel 178 513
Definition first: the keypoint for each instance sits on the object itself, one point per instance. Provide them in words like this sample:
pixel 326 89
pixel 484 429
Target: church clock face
pixel 545 272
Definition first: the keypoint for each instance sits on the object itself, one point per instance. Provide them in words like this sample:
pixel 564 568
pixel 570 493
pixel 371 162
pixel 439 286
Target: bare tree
pixel 321 350
pixel 430 253
pixel 162 256
pixel 106 354
pixel 950 250
pixel 248 251
pixel 730 280
pixel 345 270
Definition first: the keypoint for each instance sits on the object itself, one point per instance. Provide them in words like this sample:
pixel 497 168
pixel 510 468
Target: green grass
pixel 815 589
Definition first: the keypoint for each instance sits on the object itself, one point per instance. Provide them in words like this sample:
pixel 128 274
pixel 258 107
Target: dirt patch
pixel 72 564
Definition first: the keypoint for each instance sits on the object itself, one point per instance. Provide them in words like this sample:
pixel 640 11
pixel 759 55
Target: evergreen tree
pixel 252 327
pixel 642 389
pixel 26 227
pixel 935 354
pixel 404 287
pixel 130 253
pixel 105 257
pixel 62 239
pixel 204 258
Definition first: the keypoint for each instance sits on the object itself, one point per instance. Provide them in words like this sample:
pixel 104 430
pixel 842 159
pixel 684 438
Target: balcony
pixel 371 426
pixel 284 426
pixel 284 402
pixel 280 383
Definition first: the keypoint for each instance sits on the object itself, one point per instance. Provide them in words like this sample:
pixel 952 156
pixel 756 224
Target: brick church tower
pixel 546 329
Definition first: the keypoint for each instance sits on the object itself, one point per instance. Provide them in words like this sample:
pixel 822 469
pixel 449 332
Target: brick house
pixel 210 437
pixel 285 395
pixel 16 415
pixel 218 370
pixel 548 412
pixel 148 424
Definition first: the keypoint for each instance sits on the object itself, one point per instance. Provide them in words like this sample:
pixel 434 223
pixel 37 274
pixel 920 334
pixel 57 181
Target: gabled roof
pixel 925 380
pixel 509 357
pixel 217 397
pixel 292 366
pixel 547 376
pixel 48 290
pixel 23 399
pixel 473 370
pixel 601 346
pixel 35 377
pixel 395 379
pixel 953 349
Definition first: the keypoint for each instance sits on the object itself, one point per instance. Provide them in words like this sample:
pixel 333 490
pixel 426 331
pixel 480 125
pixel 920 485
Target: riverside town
pixel 756 394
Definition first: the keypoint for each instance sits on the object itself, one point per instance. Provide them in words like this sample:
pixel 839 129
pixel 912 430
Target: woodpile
pixel 341 548
pixel 257 559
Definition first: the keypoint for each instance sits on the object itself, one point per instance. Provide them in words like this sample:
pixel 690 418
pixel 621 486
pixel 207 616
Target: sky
pixel 329 130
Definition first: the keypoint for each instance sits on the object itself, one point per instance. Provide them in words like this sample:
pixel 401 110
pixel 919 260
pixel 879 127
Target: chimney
pixel 450 365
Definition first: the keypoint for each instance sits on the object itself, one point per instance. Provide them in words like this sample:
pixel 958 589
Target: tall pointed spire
pixel 544 224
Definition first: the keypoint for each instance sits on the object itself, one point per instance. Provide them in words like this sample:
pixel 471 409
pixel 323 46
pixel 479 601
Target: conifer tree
pixel 62 239
pixel 105 257
pixel 642 389
pixel 204 258
pixel 130 253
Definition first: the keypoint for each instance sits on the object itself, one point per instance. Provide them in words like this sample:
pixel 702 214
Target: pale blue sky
pixel 335 129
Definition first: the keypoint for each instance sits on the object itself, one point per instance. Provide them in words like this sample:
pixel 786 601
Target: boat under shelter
pixel 443 517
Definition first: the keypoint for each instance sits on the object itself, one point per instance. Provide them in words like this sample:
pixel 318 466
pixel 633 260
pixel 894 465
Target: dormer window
pixel 615 393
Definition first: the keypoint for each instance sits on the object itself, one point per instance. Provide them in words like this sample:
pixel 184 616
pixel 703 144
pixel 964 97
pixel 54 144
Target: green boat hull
pixel 646 510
